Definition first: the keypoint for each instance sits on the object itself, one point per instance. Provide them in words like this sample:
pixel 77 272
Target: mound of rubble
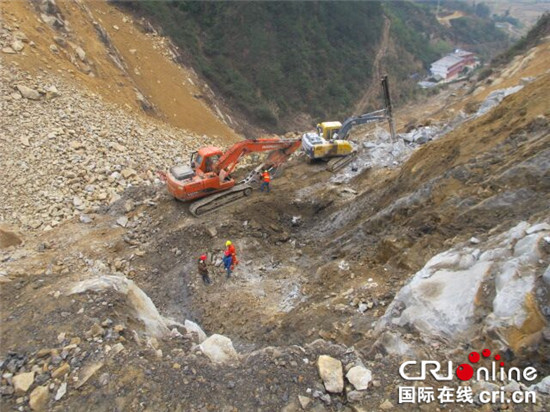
pixel 67 153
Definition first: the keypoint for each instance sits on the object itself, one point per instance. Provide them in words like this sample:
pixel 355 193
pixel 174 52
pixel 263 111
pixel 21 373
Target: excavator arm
pixel 280 149
pixel 363 119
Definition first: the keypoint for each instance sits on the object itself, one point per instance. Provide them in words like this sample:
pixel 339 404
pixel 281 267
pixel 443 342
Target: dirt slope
pixel 119 61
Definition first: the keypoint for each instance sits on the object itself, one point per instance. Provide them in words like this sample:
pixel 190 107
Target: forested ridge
pixel 274 60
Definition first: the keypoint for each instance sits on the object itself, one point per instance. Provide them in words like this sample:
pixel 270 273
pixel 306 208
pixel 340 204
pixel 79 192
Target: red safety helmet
pixel 203 257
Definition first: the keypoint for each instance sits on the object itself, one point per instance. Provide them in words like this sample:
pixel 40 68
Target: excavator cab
pixel 201 177
pixel 327 130
pixel 205 159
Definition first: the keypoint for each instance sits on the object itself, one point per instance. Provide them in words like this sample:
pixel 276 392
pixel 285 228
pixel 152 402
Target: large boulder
pixel 219 349
pixel 467 293
pixel 144 308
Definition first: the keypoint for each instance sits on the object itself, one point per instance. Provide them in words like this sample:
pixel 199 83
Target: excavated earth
pixel 96 289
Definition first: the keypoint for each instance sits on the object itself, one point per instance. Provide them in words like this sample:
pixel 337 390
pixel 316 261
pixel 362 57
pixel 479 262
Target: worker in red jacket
pixel 266 178
pixel 203 270
pixel 230 247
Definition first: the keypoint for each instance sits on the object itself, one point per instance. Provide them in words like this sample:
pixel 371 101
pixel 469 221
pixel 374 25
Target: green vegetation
pixel 531 39
pixel 507 19
pixel 473 30
pixel 273 60
pixel 482 10
pixel 412 27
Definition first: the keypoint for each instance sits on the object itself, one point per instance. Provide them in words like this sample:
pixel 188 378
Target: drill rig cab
pixel 330 144
pixel 328 130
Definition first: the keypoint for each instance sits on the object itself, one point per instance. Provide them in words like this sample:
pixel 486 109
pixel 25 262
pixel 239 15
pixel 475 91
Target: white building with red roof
pixel 448 67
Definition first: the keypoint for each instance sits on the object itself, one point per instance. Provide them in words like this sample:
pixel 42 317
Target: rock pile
pixel 42 377
pixel 67 153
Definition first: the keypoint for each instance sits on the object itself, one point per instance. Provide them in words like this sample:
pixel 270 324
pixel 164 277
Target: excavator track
pixel 218 201
pixel 333 165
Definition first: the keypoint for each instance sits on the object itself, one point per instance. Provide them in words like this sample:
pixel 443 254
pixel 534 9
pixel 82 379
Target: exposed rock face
pixel 144 307
pixel 331 373
pixel 444 297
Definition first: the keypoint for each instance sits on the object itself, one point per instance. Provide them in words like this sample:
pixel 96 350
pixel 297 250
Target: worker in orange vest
pixel 232 252
pixel 265 181
pixel 228 263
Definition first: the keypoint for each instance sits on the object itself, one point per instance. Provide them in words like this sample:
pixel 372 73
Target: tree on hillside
pixel 483 11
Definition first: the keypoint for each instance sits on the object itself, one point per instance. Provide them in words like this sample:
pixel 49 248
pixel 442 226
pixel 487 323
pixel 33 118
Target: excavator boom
pixel 363 119
pixel 281 149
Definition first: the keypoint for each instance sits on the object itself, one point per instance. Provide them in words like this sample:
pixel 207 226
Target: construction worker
pixel 228 263
pixel 233 252
pixel 203 270
pixel 265 181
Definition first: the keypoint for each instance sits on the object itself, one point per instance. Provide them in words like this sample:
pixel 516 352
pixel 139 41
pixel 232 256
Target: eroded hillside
pixel 286 64
pixel 113 56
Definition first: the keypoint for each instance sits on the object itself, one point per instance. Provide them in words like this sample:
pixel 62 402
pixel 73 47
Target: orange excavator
pixel 209 173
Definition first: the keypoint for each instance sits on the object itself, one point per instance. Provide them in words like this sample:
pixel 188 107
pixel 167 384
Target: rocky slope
pixel 67 152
